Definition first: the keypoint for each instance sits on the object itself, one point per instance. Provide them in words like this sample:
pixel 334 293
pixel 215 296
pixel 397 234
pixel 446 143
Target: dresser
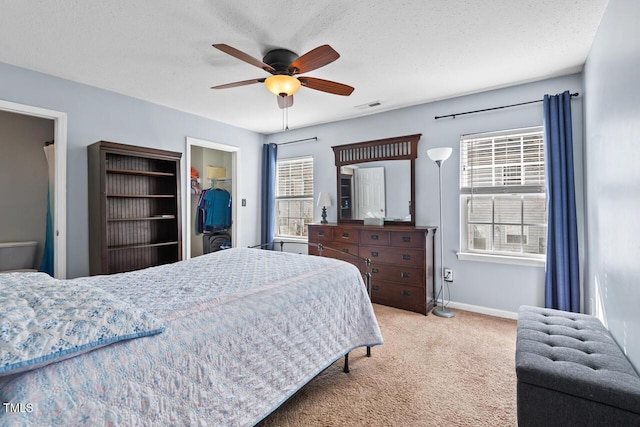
pixel 402 259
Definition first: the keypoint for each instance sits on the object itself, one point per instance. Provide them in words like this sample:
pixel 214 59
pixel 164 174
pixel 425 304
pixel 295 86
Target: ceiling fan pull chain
pixel 287 115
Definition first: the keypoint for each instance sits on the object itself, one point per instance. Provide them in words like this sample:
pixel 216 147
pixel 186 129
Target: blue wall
pixel 612 174
pixel 500 287
pixel 94 114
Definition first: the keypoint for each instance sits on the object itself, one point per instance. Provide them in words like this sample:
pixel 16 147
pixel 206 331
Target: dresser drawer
pixel 399 274
pixel 407 239
pixel 319 234
pixel 395 295
pixel 399 256
pixel 343 234
pixel 374 237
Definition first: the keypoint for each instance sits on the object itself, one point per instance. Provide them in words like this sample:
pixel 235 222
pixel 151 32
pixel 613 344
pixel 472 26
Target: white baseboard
pixel 484 310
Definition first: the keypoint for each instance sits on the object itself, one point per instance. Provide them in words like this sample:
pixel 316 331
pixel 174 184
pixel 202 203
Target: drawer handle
pixel 406 239
pixel 406 293
pixel 345 235
pixel 406 257
pixel 375 287
pixel 375 270
pixel 374 253
pixel 346 251
pixel 320 233
pixel 374 237
pixel 406 274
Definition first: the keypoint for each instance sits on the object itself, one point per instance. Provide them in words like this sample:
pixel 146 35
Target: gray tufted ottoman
pixel 572 373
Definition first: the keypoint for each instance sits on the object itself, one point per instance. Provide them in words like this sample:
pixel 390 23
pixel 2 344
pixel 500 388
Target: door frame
pixel 60 180
pixel 186 194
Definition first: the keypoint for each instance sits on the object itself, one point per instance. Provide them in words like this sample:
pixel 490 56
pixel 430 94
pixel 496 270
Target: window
pixel 294 196
pixel 502 194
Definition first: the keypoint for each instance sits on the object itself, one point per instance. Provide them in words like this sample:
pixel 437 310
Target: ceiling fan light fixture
pixel 282 85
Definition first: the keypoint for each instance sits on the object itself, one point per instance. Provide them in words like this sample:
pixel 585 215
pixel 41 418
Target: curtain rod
pixel 495 108
pixel 315 138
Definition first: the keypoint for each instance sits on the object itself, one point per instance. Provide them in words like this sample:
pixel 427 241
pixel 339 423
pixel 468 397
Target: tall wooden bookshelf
pixel 134 207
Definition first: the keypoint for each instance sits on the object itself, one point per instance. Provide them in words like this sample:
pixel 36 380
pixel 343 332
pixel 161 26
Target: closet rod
pixel 495 108
pixel 315 138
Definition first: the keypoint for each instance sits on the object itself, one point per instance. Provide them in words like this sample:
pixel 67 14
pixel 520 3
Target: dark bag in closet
pixel 213 242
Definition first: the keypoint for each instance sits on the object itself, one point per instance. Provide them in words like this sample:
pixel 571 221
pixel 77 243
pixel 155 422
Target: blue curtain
pixel 562 277
pixel 269 157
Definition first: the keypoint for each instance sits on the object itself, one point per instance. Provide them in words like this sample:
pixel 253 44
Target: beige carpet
pixel 429 372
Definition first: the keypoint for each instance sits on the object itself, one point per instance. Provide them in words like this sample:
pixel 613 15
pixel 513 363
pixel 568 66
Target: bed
pixel 221 339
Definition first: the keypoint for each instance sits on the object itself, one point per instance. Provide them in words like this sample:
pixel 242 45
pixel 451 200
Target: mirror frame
pixel 397 148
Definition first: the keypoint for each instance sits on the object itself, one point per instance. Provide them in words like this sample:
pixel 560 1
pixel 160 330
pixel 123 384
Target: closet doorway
pixel 222 162
pixel 59 203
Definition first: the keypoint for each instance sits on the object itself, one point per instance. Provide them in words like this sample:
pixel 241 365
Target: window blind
pixel 498 163
pixel 295 178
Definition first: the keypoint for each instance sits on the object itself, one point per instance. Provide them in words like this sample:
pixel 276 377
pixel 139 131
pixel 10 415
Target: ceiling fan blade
pixel 326 86
pixel 236 84
pixel 285 101
pixel 316 58
pixel 244 57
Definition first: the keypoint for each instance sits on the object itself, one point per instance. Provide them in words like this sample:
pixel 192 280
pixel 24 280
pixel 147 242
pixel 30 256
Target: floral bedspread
pixel 245 329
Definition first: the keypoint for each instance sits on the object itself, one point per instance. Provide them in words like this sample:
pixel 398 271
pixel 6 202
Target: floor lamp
pixel 439 155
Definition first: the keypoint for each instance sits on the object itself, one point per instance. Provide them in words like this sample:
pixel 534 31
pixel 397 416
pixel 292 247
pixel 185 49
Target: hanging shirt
pixel 214 211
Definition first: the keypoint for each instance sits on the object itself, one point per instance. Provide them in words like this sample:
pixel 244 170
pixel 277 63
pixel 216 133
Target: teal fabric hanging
pixel 47 257
pixel 46 266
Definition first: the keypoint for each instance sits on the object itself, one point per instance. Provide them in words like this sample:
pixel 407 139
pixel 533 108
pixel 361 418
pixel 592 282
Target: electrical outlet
pixel 448 275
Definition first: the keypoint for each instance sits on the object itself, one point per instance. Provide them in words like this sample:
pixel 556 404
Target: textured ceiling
pixel 397 53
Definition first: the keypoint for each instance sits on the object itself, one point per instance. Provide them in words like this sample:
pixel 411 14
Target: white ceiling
pixel 396 52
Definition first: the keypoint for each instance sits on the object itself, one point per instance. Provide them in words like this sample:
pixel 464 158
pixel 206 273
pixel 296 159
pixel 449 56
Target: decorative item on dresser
pixel 324 200
pixel 402 260
pixel 134 207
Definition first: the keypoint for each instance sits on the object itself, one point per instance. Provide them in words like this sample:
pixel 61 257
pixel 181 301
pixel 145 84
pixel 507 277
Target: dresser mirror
pixel 377 179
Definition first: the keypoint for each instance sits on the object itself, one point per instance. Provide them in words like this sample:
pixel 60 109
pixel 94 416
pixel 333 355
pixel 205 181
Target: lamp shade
pixel 215 172
pixel 282 85
pixel 439 154
pixel 324 199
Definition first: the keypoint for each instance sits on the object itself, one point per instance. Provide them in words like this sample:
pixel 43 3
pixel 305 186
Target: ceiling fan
pixel 284 66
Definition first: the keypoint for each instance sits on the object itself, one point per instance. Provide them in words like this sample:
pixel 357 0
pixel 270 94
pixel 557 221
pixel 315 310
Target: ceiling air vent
pixel 368 105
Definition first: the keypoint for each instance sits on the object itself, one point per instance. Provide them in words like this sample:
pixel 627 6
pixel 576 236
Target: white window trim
pixel 290 239
pixel 498 258
pixel 501 259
